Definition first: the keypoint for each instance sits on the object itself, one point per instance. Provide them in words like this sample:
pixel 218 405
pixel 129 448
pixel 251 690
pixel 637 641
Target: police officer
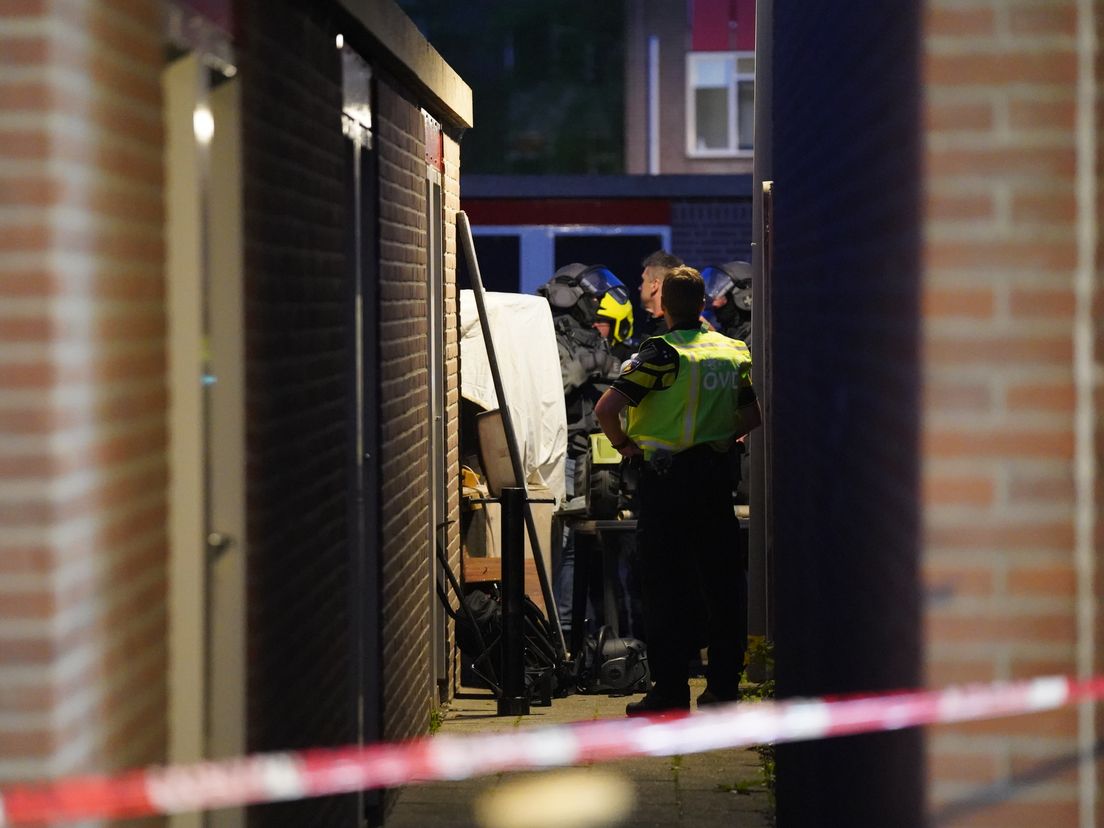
pixel 728 309
pixel 591 315
pixel 728 299
pixel 656 267
pixel 689 396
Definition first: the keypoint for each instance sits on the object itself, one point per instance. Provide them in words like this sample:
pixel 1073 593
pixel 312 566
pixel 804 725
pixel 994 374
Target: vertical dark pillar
pixel 844 330
pixel 514 701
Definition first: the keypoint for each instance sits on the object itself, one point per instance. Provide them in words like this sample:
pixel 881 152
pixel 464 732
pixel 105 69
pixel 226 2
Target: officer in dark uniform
pixel 688 396
pixel 591 315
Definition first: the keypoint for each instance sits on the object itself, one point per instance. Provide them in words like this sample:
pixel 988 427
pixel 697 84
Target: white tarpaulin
pixel 525 345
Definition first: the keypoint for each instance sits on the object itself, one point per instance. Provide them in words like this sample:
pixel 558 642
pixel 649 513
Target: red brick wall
pixel 999 438
pixel 82 390
pixel 404 400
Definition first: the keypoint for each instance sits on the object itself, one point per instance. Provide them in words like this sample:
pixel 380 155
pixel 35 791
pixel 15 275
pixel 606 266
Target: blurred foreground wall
pixel 83 438
pixel 1012 362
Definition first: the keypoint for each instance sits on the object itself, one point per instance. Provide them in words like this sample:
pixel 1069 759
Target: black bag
pixel 479 637
pixel 617 666
pixel 479 625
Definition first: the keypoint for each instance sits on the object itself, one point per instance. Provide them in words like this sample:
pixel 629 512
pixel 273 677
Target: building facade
pixel 689 87
pixel 526 227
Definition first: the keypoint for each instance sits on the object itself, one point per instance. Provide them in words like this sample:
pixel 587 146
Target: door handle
pixel 218 544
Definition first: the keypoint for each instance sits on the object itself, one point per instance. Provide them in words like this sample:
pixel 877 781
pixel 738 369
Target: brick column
pixel 999 430
pixel 451 184
pixel 82 389
pixel 404 411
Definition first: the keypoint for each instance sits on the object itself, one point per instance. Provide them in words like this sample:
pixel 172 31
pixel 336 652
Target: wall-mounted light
pixel 340 40
pixel 203 124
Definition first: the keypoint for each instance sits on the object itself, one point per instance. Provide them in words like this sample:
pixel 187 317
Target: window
pixel 720 103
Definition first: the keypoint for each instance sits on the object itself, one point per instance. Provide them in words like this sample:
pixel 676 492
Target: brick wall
pixel 404 401
pixel 299 369
pixel 711 232
pixel 451 184
pixel 999 438
pixel 82 390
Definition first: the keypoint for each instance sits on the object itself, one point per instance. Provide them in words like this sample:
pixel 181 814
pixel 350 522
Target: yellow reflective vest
pixel 702 404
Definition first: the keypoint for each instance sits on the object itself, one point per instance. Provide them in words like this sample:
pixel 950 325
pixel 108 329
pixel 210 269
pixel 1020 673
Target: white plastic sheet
pixel 525 345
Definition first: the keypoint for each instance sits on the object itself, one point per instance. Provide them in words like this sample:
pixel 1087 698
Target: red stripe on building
pixel 710 26
pixel 744 15
pixel 515 211
pixel 434 143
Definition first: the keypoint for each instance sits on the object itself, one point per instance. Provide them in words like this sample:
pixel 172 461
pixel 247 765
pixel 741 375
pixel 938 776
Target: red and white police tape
pixel 274 777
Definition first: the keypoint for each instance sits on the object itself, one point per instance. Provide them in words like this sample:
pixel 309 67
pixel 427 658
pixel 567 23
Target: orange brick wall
pixel 451 187
pixel 999 438
pixel 82 389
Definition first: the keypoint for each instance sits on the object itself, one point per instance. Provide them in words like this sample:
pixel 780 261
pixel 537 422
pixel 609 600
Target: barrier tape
pixel 276 777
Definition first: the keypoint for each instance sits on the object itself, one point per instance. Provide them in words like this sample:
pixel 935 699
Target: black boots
pixel 653 704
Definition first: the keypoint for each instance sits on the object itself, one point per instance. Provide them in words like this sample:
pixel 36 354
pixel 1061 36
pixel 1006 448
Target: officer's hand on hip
pixel 630 449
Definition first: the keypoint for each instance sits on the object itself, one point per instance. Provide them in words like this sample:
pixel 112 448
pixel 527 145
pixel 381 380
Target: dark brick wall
pixel 711 232
pixel 404 400
pixel 302 680
pixel 301 683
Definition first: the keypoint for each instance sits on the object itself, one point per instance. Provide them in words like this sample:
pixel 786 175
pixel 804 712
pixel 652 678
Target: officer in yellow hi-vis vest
pixel 689 397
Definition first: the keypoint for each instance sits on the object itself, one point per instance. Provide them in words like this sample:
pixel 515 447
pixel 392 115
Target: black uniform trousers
pixel 690 557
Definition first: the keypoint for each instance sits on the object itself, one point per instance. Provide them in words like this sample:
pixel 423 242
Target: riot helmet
pixel 729 298
pixel 728 291
pixel 732 281
pixel 591 294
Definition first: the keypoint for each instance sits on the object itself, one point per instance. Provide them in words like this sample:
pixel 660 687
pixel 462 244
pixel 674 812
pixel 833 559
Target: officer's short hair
pixel 683 294
pixel 662 260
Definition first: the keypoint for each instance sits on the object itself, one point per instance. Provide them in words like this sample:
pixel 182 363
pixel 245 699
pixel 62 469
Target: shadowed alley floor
pixel 707 789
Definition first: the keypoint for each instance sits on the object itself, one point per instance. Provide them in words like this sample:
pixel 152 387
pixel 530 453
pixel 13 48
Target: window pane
pixel 745 113
pixel 711 108
pixel 745 66
pixel 710 71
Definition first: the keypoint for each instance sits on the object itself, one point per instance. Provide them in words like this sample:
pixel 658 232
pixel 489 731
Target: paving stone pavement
pixel 707 789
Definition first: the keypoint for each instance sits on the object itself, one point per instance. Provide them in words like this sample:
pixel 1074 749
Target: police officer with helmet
pixel 591 316
pixel 688 397
pixel 728 299
pixel 728 309
pixel 590 313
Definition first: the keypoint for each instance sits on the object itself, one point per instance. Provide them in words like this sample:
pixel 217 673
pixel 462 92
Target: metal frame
pixel 537 244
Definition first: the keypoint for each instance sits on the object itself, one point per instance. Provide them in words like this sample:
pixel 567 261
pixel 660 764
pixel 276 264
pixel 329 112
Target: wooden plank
pixel 476 570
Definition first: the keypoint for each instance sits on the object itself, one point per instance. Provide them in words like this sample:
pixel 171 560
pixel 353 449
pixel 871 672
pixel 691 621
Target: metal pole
pixel 760 565
pixel 514 701
pixel 463 230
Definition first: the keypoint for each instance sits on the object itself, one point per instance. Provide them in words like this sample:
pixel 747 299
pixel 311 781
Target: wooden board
pixel 476 570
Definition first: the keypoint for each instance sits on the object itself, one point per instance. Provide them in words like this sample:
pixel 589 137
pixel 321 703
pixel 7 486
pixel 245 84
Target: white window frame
pixel 537 244
pixel 733 149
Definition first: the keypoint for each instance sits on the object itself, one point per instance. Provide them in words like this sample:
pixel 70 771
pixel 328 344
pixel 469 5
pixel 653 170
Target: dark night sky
pixel 546 80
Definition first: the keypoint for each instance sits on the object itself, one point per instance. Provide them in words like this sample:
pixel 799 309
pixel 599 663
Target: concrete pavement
pixel 721 788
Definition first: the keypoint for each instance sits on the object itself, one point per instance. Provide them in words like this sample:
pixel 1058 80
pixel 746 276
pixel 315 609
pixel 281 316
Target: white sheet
pixel 525 345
